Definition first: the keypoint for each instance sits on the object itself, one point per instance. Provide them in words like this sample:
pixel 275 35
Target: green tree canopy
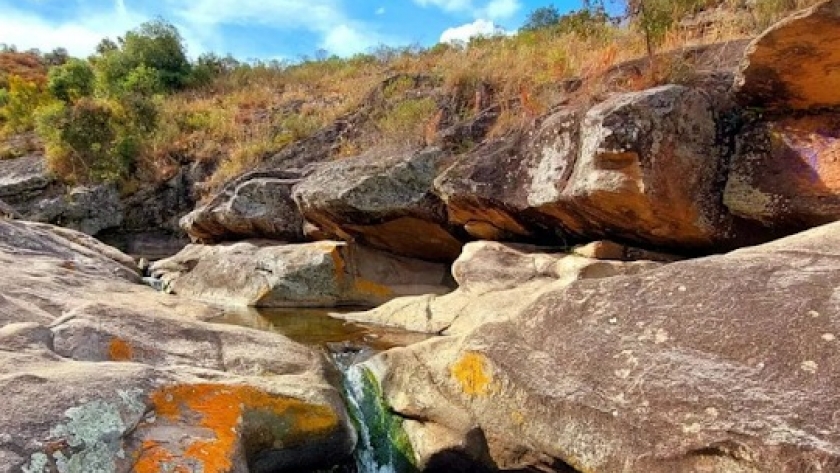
pixel 542 17
pixel 71 81
pixel 156 47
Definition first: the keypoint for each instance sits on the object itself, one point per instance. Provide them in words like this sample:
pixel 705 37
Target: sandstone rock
pixel 610 250
pixel 495 281
pixel 488 190
pixel 793 65
pixel 263 273
pixel 99 374
pixel 726 363
pixel 256 205
pixel 786 173
pixel 643 168
pixel 383 202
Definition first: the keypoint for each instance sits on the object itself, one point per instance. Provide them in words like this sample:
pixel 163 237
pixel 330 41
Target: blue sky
pixel 263 29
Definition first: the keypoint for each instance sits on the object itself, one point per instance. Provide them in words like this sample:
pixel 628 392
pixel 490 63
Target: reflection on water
pixel 315 327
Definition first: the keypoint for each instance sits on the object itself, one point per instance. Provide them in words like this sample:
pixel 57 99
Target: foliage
pixel 153 54
pixel 94 140
pixel 405 122
pixel 71 81
pixel 21 101
pixel 542 17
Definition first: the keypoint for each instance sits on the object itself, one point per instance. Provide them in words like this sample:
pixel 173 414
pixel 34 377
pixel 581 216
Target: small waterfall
pixel 383 446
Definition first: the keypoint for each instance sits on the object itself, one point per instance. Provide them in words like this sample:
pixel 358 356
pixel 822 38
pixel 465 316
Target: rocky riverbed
pixel 649 284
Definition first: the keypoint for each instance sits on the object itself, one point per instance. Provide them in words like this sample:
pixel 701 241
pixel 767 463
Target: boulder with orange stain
pixel 385 202
pixel 237 426
pixel 264 273
pixel 786 173
pixel 794 64
pixel 644 168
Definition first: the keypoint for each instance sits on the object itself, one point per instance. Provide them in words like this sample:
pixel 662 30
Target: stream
pixel 382 445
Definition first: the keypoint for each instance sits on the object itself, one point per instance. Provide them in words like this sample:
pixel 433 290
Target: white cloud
pixel 201 23
pixel 80 36
pixel 498 9
pixel 339 33
pixel 478 28
pixel 494 9
pixel 345 40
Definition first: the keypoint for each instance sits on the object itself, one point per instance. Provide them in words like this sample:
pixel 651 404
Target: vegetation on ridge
pixel 138 109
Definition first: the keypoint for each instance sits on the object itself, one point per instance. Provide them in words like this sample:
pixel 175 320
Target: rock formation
pixel 99 373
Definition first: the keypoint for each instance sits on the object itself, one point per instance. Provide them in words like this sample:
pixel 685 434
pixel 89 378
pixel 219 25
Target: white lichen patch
pixel 813 313
pixel 829 337
pixel 94 430
pixel 661 336
pixel 809 366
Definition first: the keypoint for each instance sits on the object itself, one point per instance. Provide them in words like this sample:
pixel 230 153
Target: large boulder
pixel 643 167
pixel 100 374
pixel 793 65
pixel 726 363
pixel 23 178
pixel 385 202
pixel 495 282
pixel 786 173
pixel 265 273
pixel 89 209
pixel 256 205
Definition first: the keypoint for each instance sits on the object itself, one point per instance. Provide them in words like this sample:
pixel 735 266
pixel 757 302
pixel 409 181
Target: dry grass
pixel 253 112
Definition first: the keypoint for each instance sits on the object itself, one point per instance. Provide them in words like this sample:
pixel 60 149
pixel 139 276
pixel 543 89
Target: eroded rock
pixel 786 173
pixel 725 363
pixel 256 205
pixel 495 281
pixel 793 65
pixel 643 168
pixel 385 202
pixel 100 374
pixel 265 273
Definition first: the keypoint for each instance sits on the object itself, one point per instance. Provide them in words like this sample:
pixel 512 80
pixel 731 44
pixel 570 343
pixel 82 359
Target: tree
pixel 158 45
pixel 656 17
pixel 543 17
pixel 155 46
pixel 71 81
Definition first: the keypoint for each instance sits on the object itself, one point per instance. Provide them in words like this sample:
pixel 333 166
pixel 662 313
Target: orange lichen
pixel 339 265
pixel 364 286
pixel 154 458
pixel 119 350
pixel 471 372
pixel 221 410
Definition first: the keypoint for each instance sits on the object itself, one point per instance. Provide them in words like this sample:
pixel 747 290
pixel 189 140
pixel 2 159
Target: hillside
pixel 141 117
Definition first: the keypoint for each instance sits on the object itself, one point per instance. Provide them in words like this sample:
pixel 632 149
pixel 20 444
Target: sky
pixel 263 29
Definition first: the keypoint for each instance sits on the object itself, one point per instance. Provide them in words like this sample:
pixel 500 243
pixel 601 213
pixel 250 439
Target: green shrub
pixel 71 81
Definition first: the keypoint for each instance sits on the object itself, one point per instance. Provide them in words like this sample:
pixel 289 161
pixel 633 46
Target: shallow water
pixel 316 327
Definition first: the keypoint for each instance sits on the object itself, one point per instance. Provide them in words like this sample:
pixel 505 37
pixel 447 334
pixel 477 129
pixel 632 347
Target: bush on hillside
pixel 155 48
pixel 21 101
pixel 71 81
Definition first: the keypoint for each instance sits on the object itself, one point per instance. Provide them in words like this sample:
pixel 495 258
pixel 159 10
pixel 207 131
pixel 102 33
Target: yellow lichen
pixel 472 374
